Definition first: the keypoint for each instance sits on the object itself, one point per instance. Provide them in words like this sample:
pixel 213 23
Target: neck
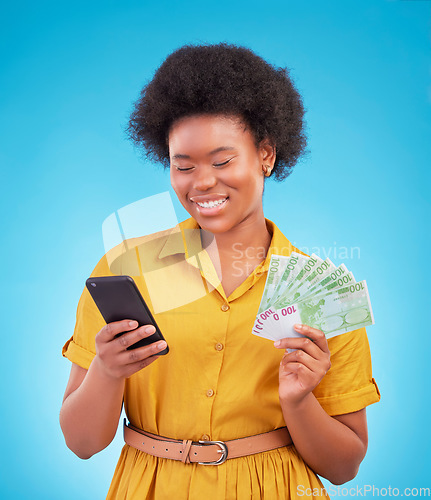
pixel 249 240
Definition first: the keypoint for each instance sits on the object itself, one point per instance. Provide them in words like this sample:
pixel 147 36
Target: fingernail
pixel 133 323
pixel 150 329
pixel 277 343
pixel 162 345
pixel 297 327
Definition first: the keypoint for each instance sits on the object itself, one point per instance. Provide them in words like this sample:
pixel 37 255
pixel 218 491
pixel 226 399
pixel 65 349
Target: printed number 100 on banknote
pixel 341 309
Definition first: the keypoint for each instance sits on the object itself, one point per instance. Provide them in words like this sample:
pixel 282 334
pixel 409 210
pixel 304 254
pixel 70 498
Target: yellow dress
pixel 219 381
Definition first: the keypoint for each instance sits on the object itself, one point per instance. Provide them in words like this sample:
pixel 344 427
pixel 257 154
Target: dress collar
pixel 185 238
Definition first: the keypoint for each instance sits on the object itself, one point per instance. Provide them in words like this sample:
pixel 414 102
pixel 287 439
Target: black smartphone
pixel 118 298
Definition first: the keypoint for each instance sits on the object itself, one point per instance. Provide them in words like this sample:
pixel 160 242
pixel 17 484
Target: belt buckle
pixel 223 450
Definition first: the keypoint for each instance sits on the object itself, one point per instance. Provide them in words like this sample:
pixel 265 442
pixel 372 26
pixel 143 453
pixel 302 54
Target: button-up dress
pixel 218 381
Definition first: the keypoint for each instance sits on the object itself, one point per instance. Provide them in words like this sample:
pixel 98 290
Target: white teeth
pixel 211 204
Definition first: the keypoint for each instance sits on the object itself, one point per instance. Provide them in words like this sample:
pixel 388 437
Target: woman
pixel 223 120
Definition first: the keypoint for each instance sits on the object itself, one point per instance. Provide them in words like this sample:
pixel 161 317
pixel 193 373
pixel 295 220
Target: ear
pixel 267 152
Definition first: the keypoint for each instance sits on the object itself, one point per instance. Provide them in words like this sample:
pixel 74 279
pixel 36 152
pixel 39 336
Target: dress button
pixel 205 437
pixel 225 307
pixel 210 393
pixel 219 347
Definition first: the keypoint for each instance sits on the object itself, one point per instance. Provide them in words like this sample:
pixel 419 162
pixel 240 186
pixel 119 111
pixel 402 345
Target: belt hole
pixel 153 447
pixel 166 449
pixel 195 453
pixel 180 451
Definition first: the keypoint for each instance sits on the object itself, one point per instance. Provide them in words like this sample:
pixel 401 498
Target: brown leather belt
pixel 204 452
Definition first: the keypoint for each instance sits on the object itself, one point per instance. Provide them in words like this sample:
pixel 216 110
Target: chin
pixel 213 226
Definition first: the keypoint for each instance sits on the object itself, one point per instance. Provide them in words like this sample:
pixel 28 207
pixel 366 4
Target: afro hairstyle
pixel 220 79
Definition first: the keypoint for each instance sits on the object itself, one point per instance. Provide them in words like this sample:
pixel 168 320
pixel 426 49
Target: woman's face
pixel 216 170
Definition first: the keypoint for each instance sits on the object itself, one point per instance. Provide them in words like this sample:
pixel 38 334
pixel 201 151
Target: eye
pixel 222 164
pixel 183 169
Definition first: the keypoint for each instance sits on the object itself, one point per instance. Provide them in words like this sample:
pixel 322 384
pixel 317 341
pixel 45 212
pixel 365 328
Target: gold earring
pixel 266 170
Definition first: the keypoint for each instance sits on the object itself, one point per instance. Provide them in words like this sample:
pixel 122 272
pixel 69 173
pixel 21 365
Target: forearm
pixel 89 415
pixel 330 448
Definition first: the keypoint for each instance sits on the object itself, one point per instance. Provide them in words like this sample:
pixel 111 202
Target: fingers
pixel 317 336
pixel 140 354
pixel 119 333
pixel 299 356
pixel 303 343
pixel 311 352
pixel 112 348
pixel 297 369
pixel 126 340
pixel 109 331
pixel 140 358
pixel 309 371
pixel 314 334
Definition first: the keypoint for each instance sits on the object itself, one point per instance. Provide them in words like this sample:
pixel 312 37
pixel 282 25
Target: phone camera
pixel 93 284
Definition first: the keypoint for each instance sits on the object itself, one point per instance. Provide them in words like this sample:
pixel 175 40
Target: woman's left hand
pixel 301 370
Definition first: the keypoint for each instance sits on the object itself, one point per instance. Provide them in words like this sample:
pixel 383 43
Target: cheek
pixel 255 190
pixel 251 182
pixel 175 183
pixel 180 186
pixel 257 187
pixel 246 181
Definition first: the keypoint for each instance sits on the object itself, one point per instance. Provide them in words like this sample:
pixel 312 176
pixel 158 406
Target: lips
pixel 208 197
pixel 209 204
pixel 209 200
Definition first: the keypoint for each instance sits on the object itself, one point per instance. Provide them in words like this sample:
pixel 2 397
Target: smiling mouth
pixel 211 204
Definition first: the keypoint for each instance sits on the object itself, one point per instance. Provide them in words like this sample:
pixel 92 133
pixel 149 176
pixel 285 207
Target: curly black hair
pixel 221 79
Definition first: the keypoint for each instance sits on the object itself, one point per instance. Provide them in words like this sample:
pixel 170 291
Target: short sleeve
pixel 348 386
pixel 81 347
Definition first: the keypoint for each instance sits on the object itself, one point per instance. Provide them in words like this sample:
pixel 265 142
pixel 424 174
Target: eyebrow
pixel 213 152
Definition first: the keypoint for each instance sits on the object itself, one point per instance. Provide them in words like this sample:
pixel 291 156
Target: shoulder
pixel 280 244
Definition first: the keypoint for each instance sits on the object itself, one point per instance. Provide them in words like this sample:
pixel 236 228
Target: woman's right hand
pixel 112 354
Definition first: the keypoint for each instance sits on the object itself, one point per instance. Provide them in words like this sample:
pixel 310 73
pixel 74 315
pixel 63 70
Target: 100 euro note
pixel 281 270
pixel 290 279
pixel 276 268
pixel 337 278
pixel 306 281
pixel 336 304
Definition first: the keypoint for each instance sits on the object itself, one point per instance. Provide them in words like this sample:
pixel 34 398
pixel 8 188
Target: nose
pixel 204 178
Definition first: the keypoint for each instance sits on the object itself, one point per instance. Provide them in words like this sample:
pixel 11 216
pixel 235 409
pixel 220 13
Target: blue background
pixel 70 72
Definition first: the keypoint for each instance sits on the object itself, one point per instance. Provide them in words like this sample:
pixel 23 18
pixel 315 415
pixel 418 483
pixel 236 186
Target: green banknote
pixel 309 279
pixel 307 267
pixel 289 274
pixel 339 311
pixel 281 270
pixel 335 275
pixel 346 279
pixel 315 293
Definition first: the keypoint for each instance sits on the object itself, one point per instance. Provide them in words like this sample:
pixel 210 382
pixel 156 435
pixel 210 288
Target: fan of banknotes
pixel 314 292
